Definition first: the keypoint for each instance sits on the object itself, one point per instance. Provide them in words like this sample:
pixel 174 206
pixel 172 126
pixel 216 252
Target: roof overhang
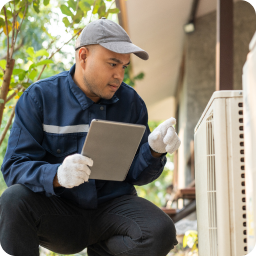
pixel 157 27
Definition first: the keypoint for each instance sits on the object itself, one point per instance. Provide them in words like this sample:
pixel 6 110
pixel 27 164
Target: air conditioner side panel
pixel 249 86
pixel 222 184
pixel 201 189
pixel 237 190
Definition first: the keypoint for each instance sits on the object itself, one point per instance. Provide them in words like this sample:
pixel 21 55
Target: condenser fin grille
pixel 211 187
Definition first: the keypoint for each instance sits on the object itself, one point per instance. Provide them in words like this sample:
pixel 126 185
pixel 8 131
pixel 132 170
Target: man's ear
pixel 82 55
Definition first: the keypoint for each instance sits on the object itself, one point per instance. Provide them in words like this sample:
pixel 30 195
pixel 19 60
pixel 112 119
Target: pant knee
pixel 164 236
pixel 14 196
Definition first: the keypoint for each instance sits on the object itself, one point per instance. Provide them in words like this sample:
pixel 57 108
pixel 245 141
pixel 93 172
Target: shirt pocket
pixel 60 145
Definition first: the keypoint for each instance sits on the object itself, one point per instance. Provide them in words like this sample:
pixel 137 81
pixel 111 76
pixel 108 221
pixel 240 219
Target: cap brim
pixel 125 47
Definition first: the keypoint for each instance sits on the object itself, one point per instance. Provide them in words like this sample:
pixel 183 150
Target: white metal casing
pixel 220 180
pixel 249 87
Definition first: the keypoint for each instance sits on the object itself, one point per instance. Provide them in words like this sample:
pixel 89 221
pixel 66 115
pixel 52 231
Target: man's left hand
pixel 164 138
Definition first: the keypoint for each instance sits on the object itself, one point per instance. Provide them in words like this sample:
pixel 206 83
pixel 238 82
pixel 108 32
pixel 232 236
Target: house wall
pixel 199 76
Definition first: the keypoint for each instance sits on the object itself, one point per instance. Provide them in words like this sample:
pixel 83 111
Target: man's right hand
pixel 74 170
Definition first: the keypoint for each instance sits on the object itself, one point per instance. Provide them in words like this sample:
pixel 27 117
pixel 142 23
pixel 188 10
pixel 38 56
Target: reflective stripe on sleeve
pixel 66 129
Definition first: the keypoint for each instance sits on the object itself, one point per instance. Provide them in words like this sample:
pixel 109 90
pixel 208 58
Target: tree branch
pixel 5 85
pixel 14 94
pixel 2 69
pixel 21 23
pixel 7 126
pixel 7 32
pixel 56 52
pixel 16 49
pixel 13 32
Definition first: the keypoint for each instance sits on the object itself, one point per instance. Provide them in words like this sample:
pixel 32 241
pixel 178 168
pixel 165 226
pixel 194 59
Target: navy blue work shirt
pixel 52 118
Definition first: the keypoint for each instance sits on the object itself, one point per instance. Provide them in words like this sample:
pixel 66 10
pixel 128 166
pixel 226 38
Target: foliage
pixel 131 80
pixel 156 190
pixel 191 240
pixel 2 152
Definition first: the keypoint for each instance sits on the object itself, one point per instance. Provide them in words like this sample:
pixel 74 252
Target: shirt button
pixel 101 108
pixel 58 151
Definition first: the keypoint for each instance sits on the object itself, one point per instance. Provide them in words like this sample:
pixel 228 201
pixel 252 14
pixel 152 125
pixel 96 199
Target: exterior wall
pixel 199 79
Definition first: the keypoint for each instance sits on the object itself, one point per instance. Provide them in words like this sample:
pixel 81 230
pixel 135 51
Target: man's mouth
pixel 114 87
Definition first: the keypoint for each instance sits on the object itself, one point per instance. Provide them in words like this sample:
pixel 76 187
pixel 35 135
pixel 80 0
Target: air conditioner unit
pixel 249 87
pixel 220 176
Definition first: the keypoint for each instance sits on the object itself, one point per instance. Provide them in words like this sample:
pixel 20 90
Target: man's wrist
pixel 56 183
pixel 155 154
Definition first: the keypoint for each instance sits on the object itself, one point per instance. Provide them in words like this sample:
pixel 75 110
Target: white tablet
pixel 112 147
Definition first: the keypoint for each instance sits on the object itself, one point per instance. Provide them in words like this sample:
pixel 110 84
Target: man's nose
pixel 119 74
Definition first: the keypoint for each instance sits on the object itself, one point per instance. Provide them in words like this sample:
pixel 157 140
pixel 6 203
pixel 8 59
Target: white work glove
pixel 74 170
pixel 164 138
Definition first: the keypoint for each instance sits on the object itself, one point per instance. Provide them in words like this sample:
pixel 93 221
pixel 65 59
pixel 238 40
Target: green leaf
pixel 139 76
pixel 31 52
pixel 22 3
pixel 66 21
pixel 97 5
pixel 22 75
pixel 3 64
pixel 72 4
pixel 2 23
pixel 102 11
pixel 26 85
pixel 1 101
pixel 36 7
pixel 41 52
pixel 115 10
pixel 46 2
pixel 17 71
pixel 32 74
pixel 20 72
pixel 90 2
pixel 9 14
pixel 13 85
pixel 84 6
pixel 30 58
pixel 20 93
pixel 40 63
pixel 79 15
pixel 65 10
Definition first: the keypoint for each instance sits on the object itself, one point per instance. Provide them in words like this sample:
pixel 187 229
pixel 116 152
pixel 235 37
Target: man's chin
pixel 107 97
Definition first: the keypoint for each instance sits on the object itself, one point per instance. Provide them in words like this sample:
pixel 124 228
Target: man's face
pixel 103 72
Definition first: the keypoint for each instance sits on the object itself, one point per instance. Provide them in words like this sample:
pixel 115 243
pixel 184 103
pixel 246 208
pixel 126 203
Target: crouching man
pixel 51 200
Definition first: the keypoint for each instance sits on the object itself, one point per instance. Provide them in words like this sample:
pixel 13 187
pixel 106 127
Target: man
pixel 50 200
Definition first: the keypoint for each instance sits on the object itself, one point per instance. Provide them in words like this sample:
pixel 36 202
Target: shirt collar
pixel 83 100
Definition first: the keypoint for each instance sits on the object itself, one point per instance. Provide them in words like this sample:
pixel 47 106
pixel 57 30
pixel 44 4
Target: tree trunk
pixel 5 86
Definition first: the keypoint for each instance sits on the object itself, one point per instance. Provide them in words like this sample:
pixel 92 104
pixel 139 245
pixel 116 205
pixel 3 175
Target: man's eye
pixel 125 67
pixel 112 64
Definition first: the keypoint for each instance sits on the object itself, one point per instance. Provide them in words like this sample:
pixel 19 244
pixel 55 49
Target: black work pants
pixel 127 225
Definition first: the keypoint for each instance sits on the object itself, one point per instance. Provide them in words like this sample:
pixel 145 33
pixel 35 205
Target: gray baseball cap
pixel 111 36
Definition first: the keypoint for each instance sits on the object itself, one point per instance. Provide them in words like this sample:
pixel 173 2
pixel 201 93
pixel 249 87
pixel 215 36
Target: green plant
pixel 191 240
